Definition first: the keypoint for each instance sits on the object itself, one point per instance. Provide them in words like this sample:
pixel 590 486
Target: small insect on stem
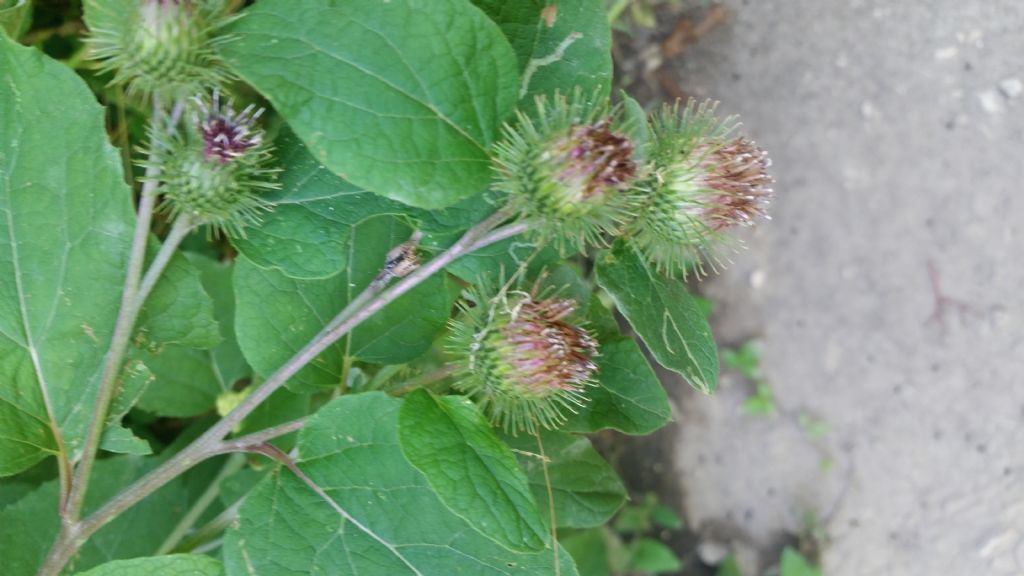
pixel 400 261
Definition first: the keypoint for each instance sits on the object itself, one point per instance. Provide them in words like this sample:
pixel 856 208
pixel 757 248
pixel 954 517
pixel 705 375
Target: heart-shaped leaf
pixel 65 228
pixel 402 98
pixel 276 315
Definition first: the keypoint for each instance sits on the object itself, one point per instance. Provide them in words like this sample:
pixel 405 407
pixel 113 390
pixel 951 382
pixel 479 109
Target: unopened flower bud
pixel 523 361
pixel 166 45
pixel 591 162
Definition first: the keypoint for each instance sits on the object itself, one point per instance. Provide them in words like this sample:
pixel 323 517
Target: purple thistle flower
pixel 228 134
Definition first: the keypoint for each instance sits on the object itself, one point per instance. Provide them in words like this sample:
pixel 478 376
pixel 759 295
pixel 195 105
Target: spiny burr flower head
pixel 570 169
pixel 159 45
pixel 704 182
pixel 737 171
pixel 522 359
pixel 214 172
pixel 593 161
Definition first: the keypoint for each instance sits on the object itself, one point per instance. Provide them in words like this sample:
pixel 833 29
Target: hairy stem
pixel 123 327
pixel 242 443
pixel 374 300
pixel 212 441
pixel 119 348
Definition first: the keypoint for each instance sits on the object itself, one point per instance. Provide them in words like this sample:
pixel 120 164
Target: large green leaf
pixel 65 227
pixel 663 313
pixel 227 357
pixel 585 489
pixel 28 527
pixel 305 235
pixel 350 448
pixel 173 565
pixel 630 397
pixel 276 315
pixel 185 381
pixel 178 311
pixel 470 469
pixel 402 98
pixel 559 45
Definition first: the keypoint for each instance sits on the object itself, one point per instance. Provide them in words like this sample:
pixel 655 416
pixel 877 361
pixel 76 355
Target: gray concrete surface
pixel 888 289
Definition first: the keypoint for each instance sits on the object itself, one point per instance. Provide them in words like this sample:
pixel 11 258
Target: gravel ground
pixel 886 289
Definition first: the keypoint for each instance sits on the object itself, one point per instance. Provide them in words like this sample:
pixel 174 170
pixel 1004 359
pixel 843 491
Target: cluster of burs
pixel 586 174
pixel 580 171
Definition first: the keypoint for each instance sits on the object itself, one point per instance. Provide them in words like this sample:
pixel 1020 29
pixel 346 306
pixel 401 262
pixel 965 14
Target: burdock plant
pixel 348 314
pixel 215 171
pixel 165 45
pixel 704 180
pixel 571 169
pixel 523 359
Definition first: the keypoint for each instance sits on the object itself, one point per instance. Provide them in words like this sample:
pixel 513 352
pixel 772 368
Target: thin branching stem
pixel 212 442
pixel 241 443
pixel 233 464
pixel 206 535
pixel 136 289
pixel 72 508
pixel 179 230
pixel 375 298
pixel 118 349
